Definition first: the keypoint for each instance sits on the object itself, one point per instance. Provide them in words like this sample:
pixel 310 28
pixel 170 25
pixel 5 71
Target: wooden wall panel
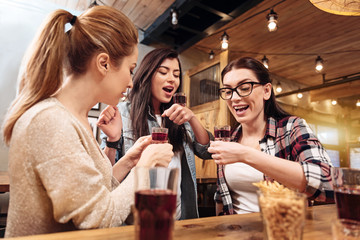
pixel 209 114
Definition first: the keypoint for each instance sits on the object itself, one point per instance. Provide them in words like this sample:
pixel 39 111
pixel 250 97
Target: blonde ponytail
pixel 43 74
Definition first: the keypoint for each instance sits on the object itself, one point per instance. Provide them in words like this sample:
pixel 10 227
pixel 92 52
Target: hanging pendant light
pixel 211 54
pixel 278 88
pixel 224 41
pixel 265 62
pixel 174 18
pixel 333 102
pixel 319 64
pixel 358 103
pixel 272 21
pixel 299 95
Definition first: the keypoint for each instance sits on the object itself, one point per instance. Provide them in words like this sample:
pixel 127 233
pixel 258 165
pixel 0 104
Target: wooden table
pixel 245 226
pixel 4 182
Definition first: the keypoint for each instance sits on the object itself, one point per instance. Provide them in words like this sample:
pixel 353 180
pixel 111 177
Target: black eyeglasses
pixel 243 90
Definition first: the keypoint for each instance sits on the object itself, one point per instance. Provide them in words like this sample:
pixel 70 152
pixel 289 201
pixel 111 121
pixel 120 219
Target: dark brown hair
pixel 272 108
pixel 141 98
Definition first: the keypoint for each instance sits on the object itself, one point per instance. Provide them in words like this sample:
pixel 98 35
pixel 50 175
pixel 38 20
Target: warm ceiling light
pixel 300 95
pixel 224 41
pixel 319 64
pixel 174 18
pixel 278 88
pixel 265 62
pixel 211 54
pixel 333 102
pixel 358 103
pixel 272 21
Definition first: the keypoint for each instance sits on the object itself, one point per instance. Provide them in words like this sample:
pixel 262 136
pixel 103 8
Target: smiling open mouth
pixel 241 109
pixel 166 89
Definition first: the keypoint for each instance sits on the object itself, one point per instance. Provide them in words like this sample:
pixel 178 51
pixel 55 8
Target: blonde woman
pixel 60 179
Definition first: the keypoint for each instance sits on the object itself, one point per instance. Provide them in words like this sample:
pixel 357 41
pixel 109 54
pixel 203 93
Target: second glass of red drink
pixel 222 133
pixel 346 182
pixel 159 135
pixel 180 98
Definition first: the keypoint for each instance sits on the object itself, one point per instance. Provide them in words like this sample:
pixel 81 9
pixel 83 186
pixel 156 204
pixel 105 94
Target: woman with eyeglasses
pixel 268 144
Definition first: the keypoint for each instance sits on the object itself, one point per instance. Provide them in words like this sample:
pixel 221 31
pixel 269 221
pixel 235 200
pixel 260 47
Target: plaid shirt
pixel 289 138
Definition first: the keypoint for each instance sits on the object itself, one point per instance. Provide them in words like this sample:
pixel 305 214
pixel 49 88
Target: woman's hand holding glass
pixel 156 155
pixel 178 114
pixel 228 152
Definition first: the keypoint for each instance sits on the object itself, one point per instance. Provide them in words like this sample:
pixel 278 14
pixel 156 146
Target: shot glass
pixel 283 215
pixel 155 202
pixel 159 135
pixel 344 229
pixel 222 133
pixel 346 182
pixel 180 98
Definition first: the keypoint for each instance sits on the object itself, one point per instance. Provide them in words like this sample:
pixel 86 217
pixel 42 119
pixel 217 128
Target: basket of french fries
pixel 282 211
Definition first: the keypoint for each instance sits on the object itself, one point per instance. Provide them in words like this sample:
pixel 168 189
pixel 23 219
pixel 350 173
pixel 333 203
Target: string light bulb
pixel 278 88
pixel 265 62
pixel 211 54
pixel 272 21
pixel 174 18
pixel 358 103
pixel 333 102
pixel 224 41
pixel 319 64
pixel 300 95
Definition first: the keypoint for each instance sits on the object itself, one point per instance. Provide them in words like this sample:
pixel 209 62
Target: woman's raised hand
pixel 178 114
pixel 110 123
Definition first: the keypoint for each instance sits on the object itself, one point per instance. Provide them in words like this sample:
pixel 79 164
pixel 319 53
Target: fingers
pixel 108 114
pixel 144 141
pixel 178 114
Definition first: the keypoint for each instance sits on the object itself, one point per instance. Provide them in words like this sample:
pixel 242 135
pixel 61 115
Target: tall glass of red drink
pixel 346 182
pixel 155 202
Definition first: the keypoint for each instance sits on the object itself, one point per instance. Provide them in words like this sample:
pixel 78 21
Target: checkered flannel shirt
pixel 289 138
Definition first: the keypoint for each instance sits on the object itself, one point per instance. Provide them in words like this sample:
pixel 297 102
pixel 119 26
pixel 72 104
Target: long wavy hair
pixel 272 108
pixel 141 98
pixel 53 52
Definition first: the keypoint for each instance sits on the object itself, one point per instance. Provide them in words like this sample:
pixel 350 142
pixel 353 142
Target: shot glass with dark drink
pixel 155 202
pixel 346 182
pixel 180 98
pixel 222 133
pixel 159 135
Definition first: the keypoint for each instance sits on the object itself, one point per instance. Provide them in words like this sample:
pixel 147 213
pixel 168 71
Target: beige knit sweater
pixel 60 180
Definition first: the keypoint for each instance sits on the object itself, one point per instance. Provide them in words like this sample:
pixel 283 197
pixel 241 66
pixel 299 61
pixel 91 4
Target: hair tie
pixel 73 20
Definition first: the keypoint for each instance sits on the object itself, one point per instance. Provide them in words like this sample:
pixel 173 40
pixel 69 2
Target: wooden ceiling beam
pixel 338 91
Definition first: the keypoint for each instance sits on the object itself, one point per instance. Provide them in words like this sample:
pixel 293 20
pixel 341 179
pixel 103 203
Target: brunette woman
pixel 268 143
pixel 150 105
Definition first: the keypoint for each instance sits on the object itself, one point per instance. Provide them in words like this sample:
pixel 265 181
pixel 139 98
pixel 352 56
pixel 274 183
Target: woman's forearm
pixel 111 154
pixel 200 133
pixel 289 173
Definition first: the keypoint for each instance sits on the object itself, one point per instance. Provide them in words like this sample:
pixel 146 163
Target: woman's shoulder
pixel 289 120
pixel 50 107
pixel 46 116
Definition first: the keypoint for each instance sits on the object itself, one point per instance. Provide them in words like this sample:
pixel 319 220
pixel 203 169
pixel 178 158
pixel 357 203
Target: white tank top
pixel 239 178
